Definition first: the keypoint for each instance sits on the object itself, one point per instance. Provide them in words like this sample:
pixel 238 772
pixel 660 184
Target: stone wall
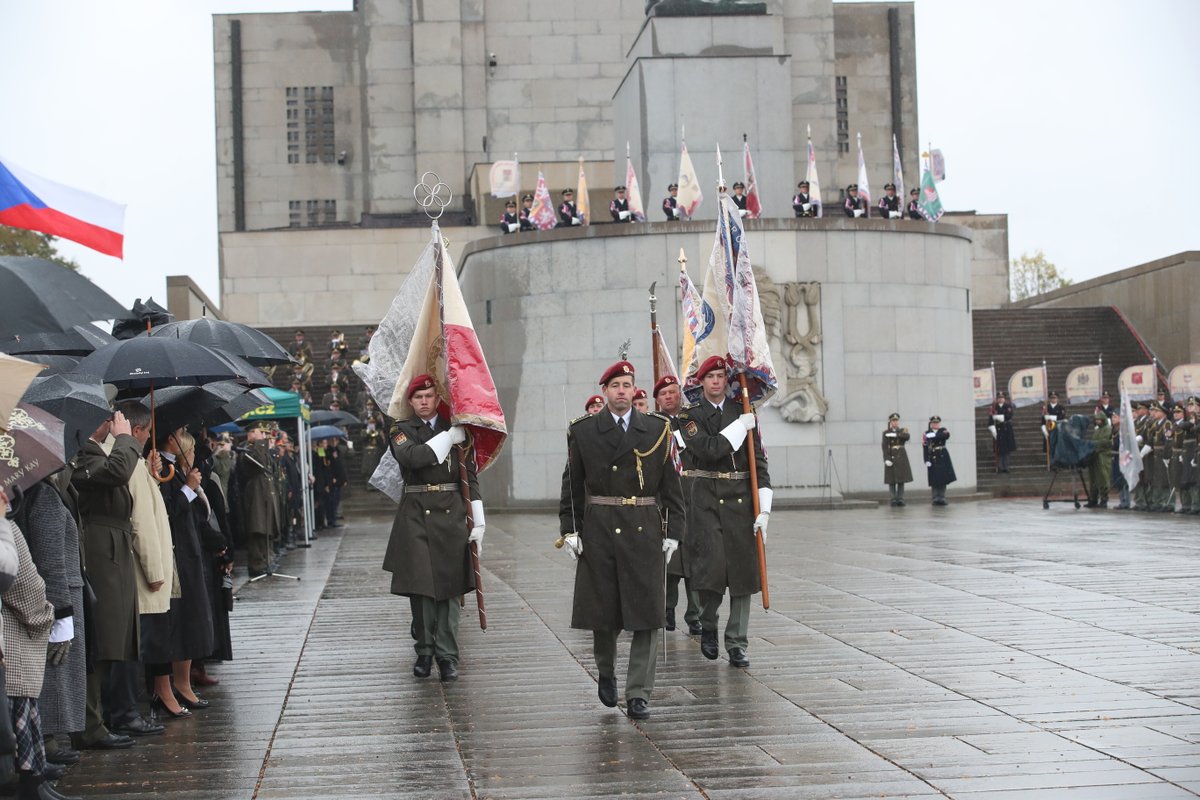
pixel 989 256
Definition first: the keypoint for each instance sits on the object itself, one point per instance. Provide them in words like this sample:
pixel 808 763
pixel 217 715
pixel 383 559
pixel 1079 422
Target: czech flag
pixel 34 203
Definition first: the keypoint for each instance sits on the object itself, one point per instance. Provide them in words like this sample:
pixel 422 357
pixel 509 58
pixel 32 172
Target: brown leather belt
pixel 430 487
pixel 622 501
pixel 721 476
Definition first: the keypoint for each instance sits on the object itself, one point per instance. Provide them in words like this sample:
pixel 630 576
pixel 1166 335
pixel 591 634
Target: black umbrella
pixel 40 295
pixel 80 401
pixel 229 337
pixel 244 371
pixel 79 341
pixel 147 362
pixel 140 317
pixel 338 418
pixel 179 405
pixel 31 447
pixel 55 365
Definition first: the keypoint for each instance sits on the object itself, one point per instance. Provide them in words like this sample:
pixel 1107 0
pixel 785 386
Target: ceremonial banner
pixel 581 197
pixel 985 387
pixel 1184 382
pixel 1027 387
pixel 814 183
pixel 690 195
pixel 664 363
pixel 753 202
pixel 929 205
pixel 699 321
pixel 864 185
pixel 34 203
pixel 542 214
pixel 897 169
pixel 505 177
pixel 1129 453
pixel 1084 384
pixel 1139 382
pixel 937 164
pixel 632 190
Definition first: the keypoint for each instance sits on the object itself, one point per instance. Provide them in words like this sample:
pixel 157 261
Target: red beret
pixel 593 399
pixel 619 368
pixel 640 394
pixel 418 383
pixel 664 382
pixel 710 364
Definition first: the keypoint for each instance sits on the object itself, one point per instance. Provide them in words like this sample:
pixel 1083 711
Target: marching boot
pixel 694 628
pixel 708 645
pixel 737 658
pixel 637 708
pixel 607 691
pixel 447 669
pixel 670 619
pixel 423 666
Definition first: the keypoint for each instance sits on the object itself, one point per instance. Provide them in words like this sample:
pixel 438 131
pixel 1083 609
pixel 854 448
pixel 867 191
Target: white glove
pixel 1045 433
pixel 670 546
pixel 890 434
pixel 675 212
pixel 735 433
pixel 930 434
pixel 858 212
pixel 992 430
pixel 440 445
pixel 679 442
pixel 928 464
pixel 512 227
pixel 458 434
pixel 476 536
pixel 574 545
pixel 576 221
pixel 760 525
pixel 742 213
pixel 748 421
pixel 623 215
pixel 765 496
pixel 887 463
pixel 893 215
pixel 806 206
pixel 998 417
pixel 1140 440
pixel 477 519
pixel 63 630
pixel 1050 418
pixel 1145 450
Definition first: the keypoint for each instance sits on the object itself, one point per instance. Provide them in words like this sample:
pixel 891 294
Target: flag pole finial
pixel 682 260
pixel 627 148
pixel 720 169
pixel 744 139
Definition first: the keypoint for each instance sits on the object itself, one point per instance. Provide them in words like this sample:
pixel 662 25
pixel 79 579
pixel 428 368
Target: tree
pixel 1032 275
pixel 20 242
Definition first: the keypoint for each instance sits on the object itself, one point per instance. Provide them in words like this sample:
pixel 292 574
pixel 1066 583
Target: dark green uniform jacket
pixel 620 578
pixel 258 495
pixel 427 553
pixel 721 550
pixel 676 565
pixel 894 450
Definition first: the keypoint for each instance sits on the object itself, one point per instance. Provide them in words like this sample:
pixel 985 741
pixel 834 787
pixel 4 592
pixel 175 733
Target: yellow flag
pixel 581 196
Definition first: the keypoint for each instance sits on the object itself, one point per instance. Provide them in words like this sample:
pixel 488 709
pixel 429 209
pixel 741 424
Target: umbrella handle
pixel 170 471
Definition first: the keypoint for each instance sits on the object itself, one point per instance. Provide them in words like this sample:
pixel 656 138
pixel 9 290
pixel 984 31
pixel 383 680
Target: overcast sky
pixel 1076 117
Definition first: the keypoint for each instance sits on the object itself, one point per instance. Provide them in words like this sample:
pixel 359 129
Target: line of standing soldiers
pixel 938 465
pixel 1167 437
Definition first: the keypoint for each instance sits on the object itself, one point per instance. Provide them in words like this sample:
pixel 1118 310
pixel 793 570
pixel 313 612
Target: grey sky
pixel 1076 117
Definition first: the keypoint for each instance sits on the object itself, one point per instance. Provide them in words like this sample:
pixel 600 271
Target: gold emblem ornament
pixel 691 428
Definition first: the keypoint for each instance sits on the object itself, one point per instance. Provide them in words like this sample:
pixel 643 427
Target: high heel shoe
pixel 192 705
pixel 157 706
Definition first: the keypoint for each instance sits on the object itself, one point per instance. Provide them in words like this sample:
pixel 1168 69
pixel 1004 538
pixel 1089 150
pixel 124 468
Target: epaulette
pixel 659 415
pixel 579 419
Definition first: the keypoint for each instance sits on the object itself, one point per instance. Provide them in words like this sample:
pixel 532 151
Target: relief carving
pixel 792 314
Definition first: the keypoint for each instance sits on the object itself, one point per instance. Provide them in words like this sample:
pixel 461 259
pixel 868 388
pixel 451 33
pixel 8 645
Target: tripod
pixel 828 474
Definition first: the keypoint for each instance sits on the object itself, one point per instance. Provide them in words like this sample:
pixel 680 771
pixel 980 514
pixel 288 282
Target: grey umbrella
pixel 40 295
pixel 81 401
pixel 249 343
pixel 80 340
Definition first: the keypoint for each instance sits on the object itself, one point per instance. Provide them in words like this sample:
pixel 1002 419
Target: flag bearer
pixel 669 398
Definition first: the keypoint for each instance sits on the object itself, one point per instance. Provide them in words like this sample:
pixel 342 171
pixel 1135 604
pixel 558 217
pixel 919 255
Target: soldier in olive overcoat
pixel 896 471
pixel 669 397
pixel 259 503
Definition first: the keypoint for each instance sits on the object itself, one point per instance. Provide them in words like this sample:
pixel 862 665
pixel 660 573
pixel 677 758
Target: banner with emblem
pixel 582 206
pixel 505 178
pixel 1139 382
pixel 632 190
pixel 1027 387
pixel 1129 453
pixel 1084 384
pixel 814 183
pixel 690 195
pixel 542 214
pixel 753 201
pixel 985 386
pixel 1184 382
pixel 699 321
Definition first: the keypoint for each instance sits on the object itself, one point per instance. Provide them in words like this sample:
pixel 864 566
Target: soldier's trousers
pixel 643 659
pixel 437 627
pixel 258 547
pixel 897 492
pixel 1141 496
pixel 737 627
pixel 939 493
pixel 692 614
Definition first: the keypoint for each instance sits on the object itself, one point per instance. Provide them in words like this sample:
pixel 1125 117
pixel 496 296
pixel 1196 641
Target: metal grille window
pixel 330 207
pixel 293 213
pixel 293 125
pixel 318 124
pixel 843 115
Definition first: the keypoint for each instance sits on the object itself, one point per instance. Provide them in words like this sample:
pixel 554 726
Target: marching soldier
pixel 802 203
pixel 526 210
pixel 1183 452
pixel 896 471
pixel 937 460
pixel 914 205
pixel 428 552
pixel 669 398
pixel 510 222
pixel 671 203
pixel 855 207
pixel 722 551
pixel 568 214
pixel 889 204
pixel 1001 428
pixel 739 198
pixel 619 207
pixel 621 498
pixel 1100 467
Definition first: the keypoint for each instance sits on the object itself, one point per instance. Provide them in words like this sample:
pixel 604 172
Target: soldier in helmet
pixel 889 204
pixel 670 203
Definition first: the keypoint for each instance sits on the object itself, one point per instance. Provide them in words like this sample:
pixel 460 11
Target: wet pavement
pixel 988 650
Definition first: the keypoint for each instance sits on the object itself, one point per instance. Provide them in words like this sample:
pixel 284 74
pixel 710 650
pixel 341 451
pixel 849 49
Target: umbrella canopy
pixel 138 317
pixel 31 447
pixel 251 344
pixel 40 295
pixel 325 432
pixel 146 362
pixel 55 365
pixel 338 418
pixel 15 375
pixel 79 341
pixel 243 371
pixel 80 401
pixel 179 405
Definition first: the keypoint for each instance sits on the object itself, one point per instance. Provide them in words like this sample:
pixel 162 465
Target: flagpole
pixel 654 331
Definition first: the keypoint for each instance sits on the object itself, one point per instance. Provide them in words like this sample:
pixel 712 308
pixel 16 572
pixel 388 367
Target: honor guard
pixel 1159 435
pixel 619 206
pixel 669 398
pixel 855 207
pixel 594 404
pixel 640 401
pixel 889 204
pixel 722 552
pixel 938 464
pixel 1000 425
pixel 914 206
pixel 568 214
pixel 1141 425
pixel 1182 441
pixel 510 221
pixel 671 203
pixel 526 210
pixel 802 202
pixel 1105 406
pixel 896 470
pixel 739 197
pixel 621 516
pixel 1189 457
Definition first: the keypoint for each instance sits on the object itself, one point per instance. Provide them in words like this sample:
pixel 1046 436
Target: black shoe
pixel 47 791
pixel 447 669
pixel 694 628
pixel 900 503
pixel 63 755
pixel 159 708
pixel 737 658
pixel 138 726
pixel 940 503
pixel 191 705
pixel 608 690
pixel 423 666
pixel 670 619
pixel 708 645
pixel 637 708
pixel 53 772
pixel 109 742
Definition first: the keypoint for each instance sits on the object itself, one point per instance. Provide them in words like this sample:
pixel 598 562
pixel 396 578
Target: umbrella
pixel 147 362
pixel 251 344
pixel 325 432
pixel 243 371
pixel 140 317
pixel 340 418
pixel 79 341
pixel 15 375
pixel 55 365
pixel 81 401
pixel 40 295
pixel 179 405
pixel 31 447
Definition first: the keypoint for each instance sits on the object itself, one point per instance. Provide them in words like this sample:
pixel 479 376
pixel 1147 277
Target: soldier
pixel 1117 480
pixel 1141 425
pixel 510 222
pixel 619 207
pixel 889 204
pixel 1053 413
pixel 641 401
pixel 914 204
pixel 526 210
pixel 335 395
pixel 896 471
pixel 1165 399
pixel 428 553
pixel 621 497
pixel 1159 435
pixel 337 344
pixel 739 198
pixel 1100 467
pixel 804 204
pixel 1105 406
pixel 568 214
pixel 259 507
pixel 1183 452
pixel 670 203
pixel 855 207
pixel 722 552
pixel 1191 457
pixel 1001 428
pixel 594 404
pixel 300 349
pixel 937 460
pixel 669 399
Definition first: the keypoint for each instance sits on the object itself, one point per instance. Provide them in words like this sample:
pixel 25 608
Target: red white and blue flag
pixel 753 201
pixel 35 203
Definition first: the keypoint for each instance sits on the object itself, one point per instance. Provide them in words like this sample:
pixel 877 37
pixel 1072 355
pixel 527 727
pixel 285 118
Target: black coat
pixel 190 617
pixel 616 207
pixel 887 205
pixel 526 222
pixel 619 579
pixel 853 204
pixel 1006 439
pixel 914 210
pixel 669 205
pixel 566 215
pixel 798 203
pixel 941 468
pixel 507 219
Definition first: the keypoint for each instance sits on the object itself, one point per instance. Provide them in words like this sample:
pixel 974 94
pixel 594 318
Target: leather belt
pixel 430 487
pixel 721 476
pixel 622 501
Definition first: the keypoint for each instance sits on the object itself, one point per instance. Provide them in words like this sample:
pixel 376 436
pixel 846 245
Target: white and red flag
pixel 814 183
pixel 1129 452
pixel 690 194
pixel 753 201
pixel 632 190
pixel 864 183
pixel 34 203
pixel 542 214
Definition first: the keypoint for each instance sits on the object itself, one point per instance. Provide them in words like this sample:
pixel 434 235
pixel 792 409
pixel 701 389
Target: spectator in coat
pixel 938 464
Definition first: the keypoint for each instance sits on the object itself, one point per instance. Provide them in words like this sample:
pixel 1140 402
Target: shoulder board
pixel 580 419
pixel 682 415
pixel 659 415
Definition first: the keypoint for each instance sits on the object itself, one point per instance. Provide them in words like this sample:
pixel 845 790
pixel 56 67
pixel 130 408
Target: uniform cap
pixel 525 197
pixel 934 418
pixel 619 368
pixel 619 189
pixel 1193 401
pixel 258 425
pixel 1054 395
pixel 852 187
pixel 739 185
pixel 567 191
pixel 891 186
pixel 672 186
pixel 711 364
pixel 1158 406
pixel 802 185
pixel 417 384
pixel 913 191
pixel 593 400
pixel 511 204
pixel 640 394
pixel 894 416
pixel 664 382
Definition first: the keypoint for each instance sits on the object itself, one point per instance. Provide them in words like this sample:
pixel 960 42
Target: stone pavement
pixel 987 650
